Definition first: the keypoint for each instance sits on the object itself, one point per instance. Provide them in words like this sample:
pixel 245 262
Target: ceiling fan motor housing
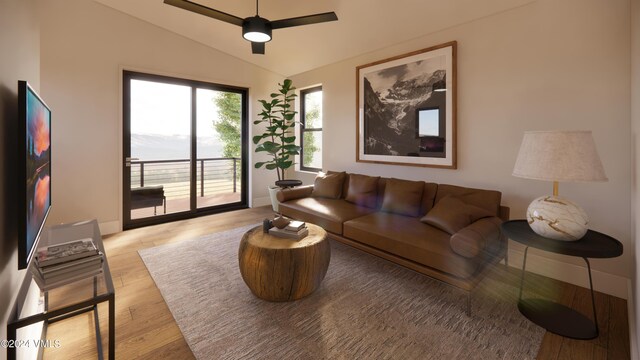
pixel 256 29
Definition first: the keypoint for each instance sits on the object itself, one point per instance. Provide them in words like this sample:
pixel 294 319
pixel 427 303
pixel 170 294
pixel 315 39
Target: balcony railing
pixel 214 176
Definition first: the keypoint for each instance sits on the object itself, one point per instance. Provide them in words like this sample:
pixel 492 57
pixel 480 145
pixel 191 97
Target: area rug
pixel 366 308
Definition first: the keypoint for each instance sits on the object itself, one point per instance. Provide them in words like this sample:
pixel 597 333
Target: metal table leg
pixel 112 327
pixel 524 265
pixel 593 298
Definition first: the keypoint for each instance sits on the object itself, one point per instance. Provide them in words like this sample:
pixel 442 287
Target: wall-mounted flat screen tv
pixel 34 170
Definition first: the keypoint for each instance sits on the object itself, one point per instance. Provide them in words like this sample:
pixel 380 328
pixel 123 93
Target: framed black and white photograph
pixel 406 109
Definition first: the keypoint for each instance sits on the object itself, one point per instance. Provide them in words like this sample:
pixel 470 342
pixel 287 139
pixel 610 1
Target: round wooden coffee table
pixel 280 269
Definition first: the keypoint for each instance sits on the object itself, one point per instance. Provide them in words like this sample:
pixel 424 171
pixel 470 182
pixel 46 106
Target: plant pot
pixel 273 190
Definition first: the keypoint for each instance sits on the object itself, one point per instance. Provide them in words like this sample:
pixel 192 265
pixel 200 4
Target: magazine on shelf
pixel 295 225
pixel 284 233
pixel 52 283
pixel 64 252
pixel 93 259
pixel 76 268
pixel 53 277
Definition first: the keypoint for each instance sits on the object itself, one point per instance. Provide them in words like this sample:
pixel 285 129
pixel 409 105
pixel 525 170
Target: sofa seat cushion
pixel 326 213
pixel 409 238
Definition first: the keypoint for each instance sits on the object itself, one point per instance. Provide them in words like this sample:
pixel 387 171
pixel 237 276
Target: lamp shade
pixel 559 156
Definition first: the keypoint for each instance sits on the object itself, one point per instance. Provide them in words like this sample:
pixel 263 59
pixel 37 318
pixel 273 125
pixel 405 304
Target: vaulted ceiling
pixel 363 26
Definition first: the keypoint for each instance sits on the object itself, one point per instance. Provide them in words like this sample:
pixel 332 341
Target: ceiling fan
pixel 254 28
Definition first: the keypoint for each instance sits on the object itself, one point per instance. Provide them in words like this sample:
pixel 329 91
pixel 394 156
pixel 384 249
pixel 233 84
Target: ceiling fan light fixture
pixel 256 29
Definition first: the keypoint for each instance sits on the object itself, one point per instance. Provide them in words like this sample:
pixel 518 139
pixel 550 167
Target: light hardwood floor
pixel 145 328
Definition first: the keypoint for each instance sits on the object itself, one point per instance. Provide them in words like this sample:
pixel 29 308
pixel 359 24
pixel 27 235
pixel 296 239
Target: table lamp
pixel 558 156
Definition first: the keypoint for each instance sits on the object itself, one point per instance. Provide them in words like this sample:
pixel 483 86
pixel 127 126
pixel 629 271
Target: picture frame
pixel 406 109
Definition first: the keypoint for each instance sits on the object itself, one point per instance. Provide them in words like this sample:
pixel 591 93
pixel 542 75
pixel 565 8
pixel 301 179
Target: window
pixel 185 144
pixel 311 129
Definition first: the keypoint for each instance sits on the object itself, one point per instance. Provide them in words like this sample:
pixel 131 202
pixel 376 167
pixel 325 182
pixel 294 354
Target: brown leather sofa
pixel 448 232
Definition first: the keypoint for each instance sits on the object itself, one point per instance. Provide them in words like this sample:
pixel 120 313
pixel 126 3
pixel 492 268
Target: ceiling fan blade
pixel 304 20
pixel 206 11
pixel 257 48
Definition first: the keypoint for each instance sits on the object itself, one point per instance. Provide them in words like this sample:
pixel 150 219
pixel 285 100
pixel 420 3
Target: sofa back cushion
pixel 402 197
pixel 452 214
pixel 382 184
pixel 486 199
pixel 345 186
pixel 328 185
pixel 428 197
pixel 362 190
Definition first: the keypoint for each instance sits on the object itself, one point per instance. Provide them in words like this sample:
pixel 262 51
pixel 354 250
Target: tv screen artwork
pixel 37 136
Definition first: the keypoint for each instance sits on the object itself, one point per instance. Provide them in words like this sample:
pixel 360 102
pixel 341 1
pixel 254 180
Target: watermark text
pixel 31 343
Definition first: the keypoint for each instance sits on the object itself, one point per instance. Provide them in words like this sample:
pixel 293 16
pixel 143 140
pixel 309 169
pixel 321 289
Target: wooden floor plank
pixel 585 349
pixel 552 343
pixel 599 353
pixel 575 350
pixel 145 328
pixel 602 312
pixel 171 351
pixel 619 347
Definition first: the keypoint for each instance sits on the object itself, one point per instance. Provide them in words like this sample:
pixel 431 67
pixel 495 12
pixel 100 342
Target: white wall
pixel 84 47
pixel 19 60
pixel 546 65
pixel 635 135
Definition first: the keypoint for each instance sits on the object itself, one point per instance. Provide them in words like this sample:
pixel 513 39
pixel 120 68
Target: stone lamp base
pixel 557 218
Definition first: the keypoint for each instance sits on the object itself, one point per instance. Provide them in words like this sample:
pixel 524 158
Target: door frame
pixel 127 222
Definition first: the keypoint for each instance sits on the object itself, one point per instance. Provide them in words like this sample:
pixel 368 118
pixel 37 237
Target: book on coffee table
pixel 295 225
pixel 284 233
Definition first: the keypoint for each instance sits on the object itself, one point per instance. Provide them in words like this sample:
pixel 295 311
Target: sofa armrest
pixel 481 236
pixel 294 193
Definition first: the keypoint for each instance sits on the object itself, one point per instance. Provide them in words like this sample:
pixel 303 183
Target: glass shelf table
pixel 65 300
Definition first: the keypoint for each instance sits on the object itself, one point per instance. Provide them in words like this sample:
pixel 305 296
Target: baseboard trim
pixel 110 227
pixel 611 284
pixel 261 201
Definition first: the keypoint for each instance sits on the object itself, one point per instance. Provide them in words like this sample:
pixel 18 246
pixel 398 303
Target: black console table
pixel 554 317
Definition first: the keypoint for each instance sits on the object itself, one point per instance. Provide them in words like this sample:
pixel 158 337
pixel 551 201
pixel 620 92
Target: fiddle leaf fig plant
pixel 278 139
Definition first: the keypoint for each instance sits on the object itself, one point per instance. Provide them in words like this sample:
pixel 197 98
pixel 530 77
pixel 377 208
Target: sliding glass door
pixel 185 148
